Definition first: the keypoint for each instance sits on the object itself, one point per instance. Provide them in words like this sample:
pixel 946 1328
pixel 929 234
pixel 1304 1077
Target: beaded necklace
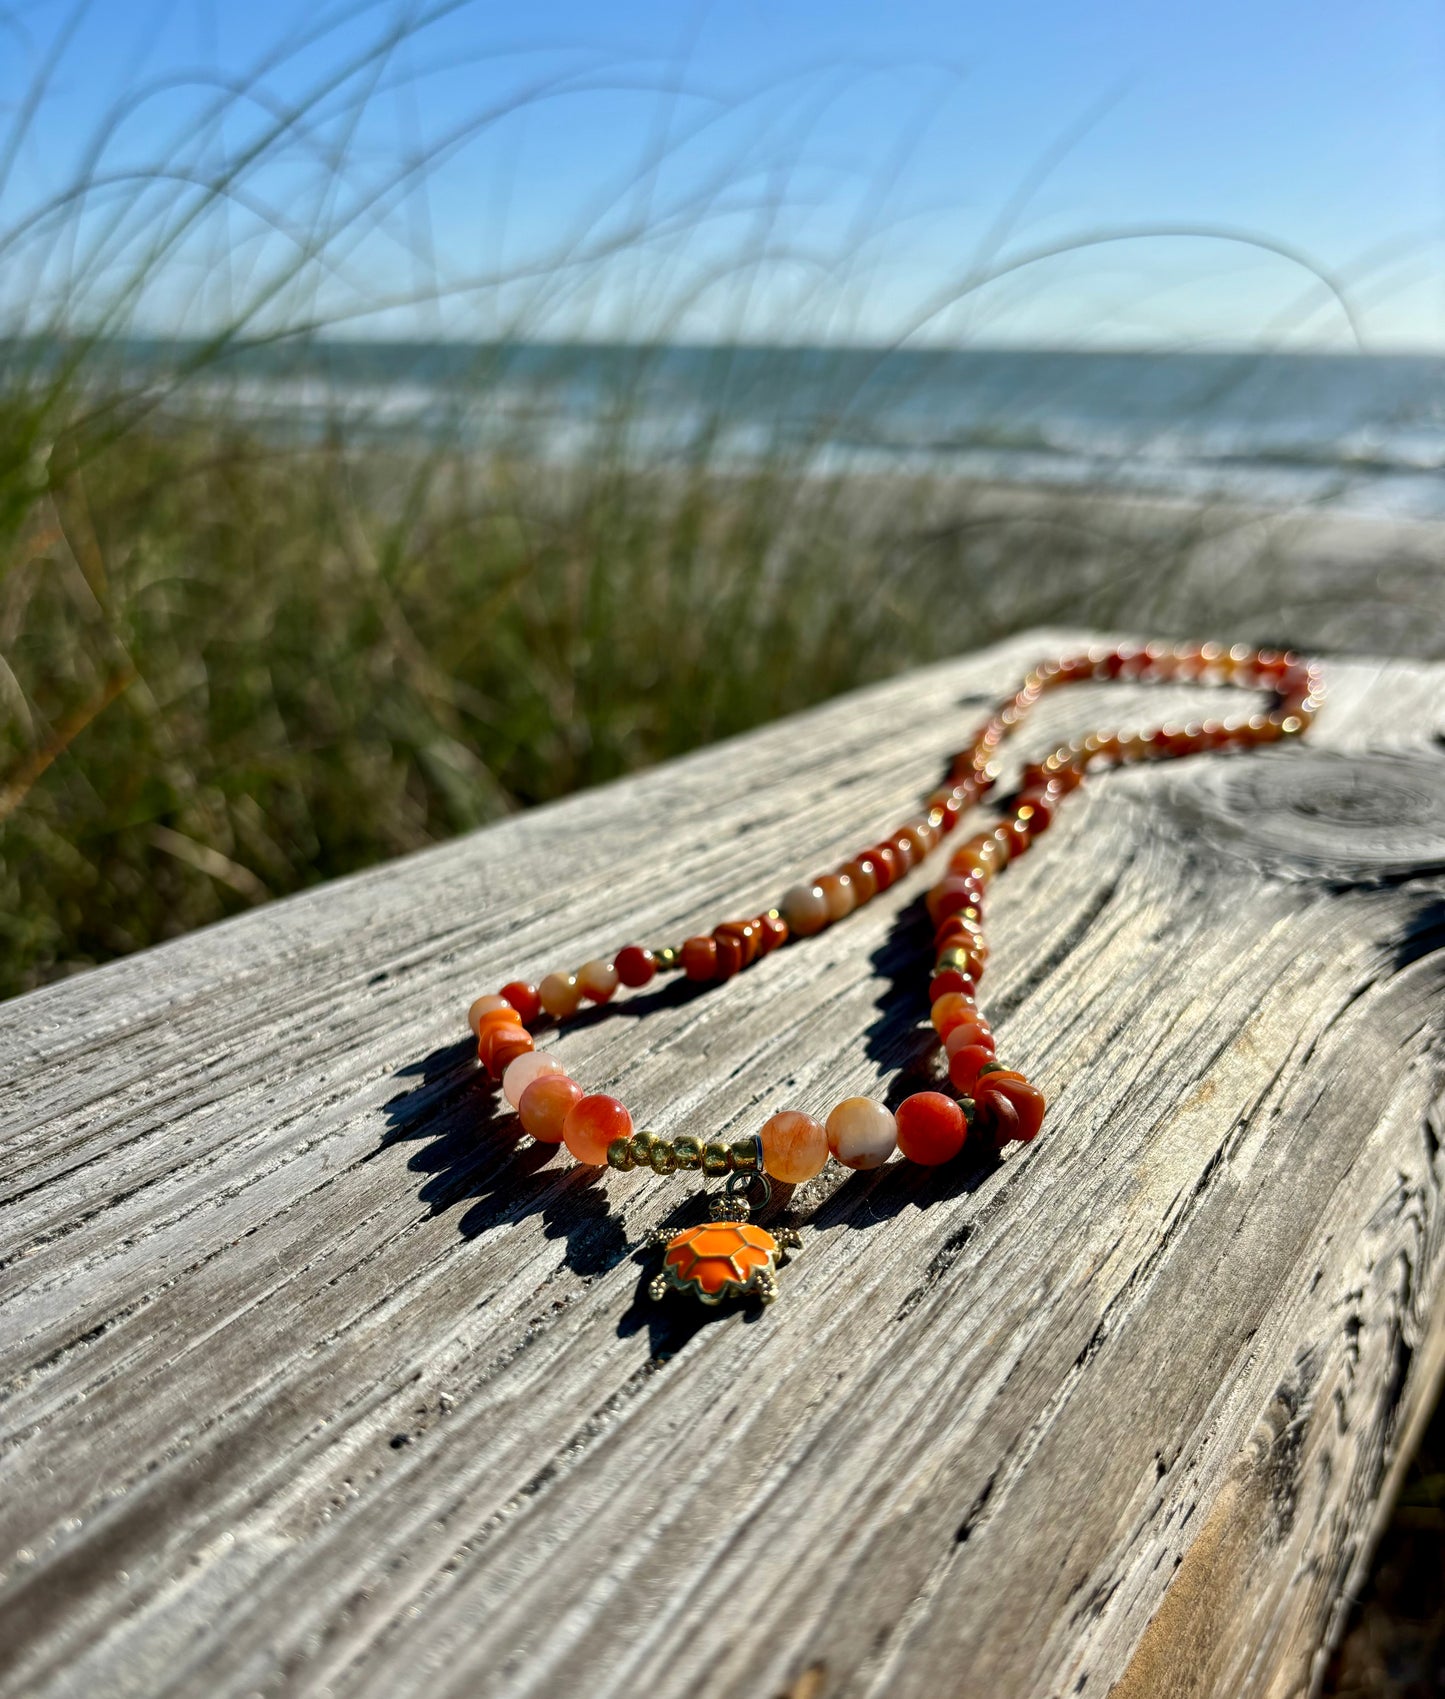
pixel 989 1103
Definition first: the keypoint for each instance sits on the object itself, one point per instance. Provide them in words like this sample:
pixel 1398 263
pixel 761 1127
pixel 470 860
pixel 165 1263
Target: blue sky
pixel 792 169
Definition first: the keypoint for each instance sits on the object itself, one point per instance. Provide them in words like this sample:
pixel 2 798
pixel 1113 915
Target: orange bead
pixel 795 1147
pixel 966 1064
pixel 838 893
pixel 544 1106
pixel 503 1046
pixel 495 1020
pixel 1009 1106
pixel 860 875
pixel 931 1128
pixel 591 1125
pixel 772 931
pixel 524 999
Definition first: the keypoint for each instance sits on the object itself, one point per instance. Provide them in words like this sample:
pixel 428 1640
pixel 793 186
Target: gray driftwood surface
pixel 318 1379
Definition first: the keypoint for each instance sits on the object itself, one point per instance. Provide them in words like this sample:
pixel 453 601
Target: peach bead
pixel 486 1006
pixel 805 908
pixel 795 1147
pixel 861 1133
pixel 598 980
pixel 545 1105
pixel 560 995
pixel 523 1071
pixel 591 1125
pixel 838 893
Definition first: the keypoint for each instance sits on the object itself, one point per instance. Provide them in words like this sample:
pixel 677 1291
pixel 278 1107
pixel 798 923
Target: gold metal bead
pixel 640 1145
pixel 952 958
pixel 619 1155
pixel 688 1151
pixel 745 1156
pixel 666 957
pixel 663 1157
pixel 716 1157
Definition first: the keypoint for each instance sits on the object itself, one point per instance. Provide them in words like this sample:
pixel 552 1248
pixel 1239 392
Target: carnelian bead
pixel 950 980
pixel 730 954
pixel 745 934
pixel 964 1033
pixel 772 930
pixel 1025 1104
pixel 635 966
pixel 860 875
pixel 795 1147
pixel 699 958
pixel 888 862
pixel 965 1065
pixel 591 1125
pixel 902 846
pixel 503 1046
pixel 950 1009
pixel 931 1128
pixel 524 999
pixel 545 1104
pixel 838 893
pixel 875 867
pixel 950 895
pixel 495 1018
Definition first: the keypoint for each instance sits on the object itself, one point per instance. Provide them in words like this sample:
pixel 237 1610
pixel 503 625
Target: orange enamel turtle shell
pixel 718 1259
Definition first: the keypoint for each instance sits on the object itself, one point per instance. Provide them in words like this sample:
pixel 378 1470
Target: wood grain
pixel 316 1378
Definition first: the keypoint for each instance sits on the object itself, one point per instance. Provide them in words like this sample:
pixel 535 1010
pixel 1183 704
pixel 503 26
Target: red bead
pixel 635 966
pixel 950 980
pixel 523 998
pixel 964 1066
pixel 699 958
pixel 772 931
pixel 1010 1105
pixel 729 954
pixel 931 1128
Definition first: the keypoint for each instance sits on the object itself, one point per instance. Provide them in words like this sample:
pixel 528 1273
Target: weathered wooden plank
pixel 315 1378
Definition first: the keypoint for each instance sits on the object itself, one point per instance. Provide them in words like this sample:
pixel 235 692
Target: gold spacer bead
pixel 619 1155
pixel 688 1151
pixel 716 1157
pixel 666 958
pixel 662 1156
pixel 640 1145
pixel 745 1156
pixel 952 958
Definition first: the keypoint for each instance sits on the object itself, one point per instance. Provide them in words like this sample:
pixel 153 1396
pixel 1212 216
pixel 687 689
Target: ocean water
pixel 1356 431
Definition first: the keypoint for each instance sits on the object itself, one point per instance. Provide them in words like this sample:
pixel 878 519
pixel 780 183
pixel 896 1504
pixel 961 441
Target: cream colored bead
pixel 560 995
pixel 598 980
pixel 861 1133
pixel 484 1006
pixel 805 908
pixel 520 1074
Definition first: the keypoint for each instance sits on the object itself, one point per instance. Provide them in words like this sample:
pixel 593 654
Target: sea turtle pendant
pixel 723 1258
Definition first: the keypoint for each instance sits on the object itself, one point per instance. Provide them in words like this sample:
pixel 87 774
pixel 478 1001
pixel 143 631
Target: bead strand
pixel 993 1102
